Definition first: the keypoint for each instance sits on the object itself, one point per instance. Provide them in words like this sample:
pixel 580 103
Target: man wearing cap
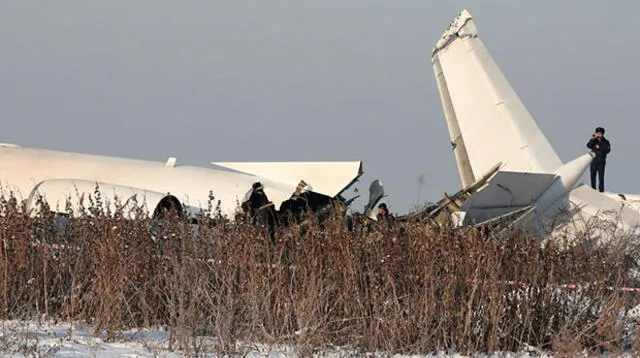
pixel 600 146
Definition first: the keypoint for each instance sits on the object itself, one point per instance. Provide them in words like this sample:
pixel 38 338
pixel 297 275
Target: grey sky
pixel 308 81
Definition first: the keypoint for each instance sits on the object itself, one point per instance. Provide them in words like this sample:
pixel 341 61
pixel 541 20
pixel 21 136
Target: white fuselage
pixel 555 211
pixel 22 169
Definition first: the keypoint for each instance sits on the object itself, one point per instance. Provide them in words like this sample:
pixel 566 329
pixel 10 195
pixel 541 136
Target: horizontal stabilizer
pixel 504 193
pixel 327 178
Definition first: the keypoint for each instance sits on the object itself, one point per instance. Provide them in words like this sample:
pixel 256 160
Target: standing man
pixel 600 146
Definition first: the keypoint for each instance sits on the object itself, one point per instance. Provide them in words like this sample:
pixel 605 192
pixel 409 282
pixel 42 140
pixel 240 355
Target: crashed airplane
pixel 63 178
pixel 519 179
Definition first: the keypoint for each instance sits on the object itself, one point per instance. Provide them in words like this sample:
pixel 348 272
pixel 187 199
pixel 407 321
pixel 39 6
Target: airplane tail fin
pixel 486 120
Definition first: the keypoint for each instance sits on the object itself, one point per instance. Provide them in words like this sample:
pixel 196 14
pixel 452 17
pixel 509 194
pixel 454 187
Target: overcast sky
pixel 308 81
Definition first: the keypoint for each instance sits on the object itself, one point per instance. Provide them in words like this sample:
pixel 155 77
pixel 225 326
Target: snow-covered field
pixel 67 340
pixel 32 339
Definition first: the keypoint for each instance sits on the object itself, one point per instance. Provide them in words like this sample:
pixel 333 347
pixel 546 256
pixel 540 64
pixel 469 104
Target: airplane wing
pixel 487 121
pixel 327 178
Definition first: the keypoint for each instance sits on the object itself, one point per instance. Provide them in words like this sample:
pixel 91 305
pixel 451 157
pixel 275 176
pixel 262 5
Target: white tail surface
pixel 487 121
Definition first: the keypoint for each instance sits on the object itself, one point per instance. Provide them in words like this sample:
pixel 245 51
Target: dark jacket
pixel 600 146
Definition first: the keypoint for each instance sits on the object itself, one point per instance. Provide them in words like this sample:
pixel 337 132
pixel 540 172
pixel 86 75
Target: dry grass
pixel 415 291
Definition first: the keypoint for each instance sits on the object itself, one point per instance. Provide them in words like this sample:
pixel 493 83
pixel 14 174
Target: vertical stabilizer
pixel 487 121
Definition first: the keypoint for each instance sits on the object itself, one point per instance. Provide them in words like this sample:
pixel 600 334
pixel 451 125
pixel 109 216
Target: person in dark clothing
pixel 384 216
pixel 600 146
pixel 383 212
pixel 262 211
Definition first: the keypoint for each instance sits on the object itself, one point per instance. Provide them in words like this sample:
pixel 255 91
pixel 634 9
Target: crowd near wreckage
pixel 518 181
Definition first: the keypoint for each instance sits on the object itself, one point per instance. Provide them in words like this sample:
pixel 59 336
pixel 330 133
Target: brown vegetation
pixel 409 290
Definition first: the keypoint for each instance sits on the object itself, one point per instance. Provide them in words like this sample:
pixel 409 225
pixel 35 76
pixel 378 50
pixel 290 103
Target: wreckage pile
pixel 408 289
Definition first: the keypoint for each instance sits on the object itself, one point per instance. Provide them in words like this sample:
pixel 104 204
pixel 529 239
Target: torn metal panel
pixel 454 30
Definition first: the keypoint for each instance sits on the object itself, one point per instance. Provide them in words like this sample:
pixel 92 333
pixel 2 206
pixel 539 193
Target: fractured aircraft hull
pixel 532 180
pixel 56 176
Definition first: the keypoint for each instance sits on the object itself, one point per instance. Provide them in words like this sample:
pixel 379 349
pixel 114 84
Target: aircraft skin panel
pixel 328 178
pixel 510 189
pixel 465 171
pixel 631 200
pixel 587 204
pixel 488 215
pixel 58 191
pixel 493 122
pixel 21 169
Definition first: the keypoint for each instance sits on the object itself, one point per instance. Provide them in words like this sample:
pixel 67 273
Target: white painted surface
pixel 493 122
pixel 60 192
pixel 598 217
pixel 631 200
pixel 21 169
pixel 488 124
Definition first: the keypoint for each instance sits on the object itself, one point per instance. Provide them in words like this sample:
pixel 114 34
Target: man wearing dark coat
pixel 600 146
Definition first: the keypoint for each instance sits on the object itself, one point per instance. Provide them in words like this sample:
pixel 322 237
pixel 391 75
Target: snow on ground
pixel 30 339
pixel 23 339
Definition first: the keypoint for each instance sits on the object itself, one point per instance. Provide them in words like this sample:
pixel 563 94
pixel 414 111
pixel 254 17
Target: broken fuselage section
pixel 318 191
pixel 66 181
